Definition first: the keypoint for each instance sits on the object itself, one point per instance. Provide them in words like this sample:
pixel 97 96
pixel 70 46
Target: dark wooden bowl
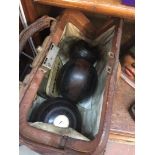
pixel 82 50
pixel 77 80
pixel 51 108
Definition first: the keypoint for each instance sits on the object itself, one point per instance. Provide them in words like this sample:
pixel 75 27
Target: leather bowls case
pixel 50 143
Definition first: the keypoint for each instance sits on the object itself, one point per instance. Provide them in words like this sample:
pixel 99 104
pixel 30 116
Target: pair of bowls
pixel 77 80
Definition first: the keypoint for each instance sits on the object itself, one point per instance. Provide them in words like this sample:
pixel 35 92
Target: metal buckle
pixel 108 69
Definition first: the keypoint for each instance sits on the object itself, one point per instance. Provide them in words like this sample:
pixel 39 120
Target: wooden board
pixel 107 7
pixel 122 125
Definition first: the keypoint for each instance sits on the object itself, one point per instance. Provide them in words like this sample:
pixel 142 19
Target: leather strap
pixel 38 25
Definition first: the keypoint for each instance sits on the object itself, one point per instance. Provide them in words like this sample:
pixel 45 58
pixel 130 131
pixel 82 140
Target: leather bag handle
pixel 39 25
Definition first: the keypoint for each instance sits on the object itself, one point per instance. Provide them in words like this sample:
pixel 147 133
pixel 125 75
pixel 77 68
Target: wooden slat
pixel 122 137
pixel 122 128
pixel 29 10
pixel 107 7
pixel 121 120
pixel 31 15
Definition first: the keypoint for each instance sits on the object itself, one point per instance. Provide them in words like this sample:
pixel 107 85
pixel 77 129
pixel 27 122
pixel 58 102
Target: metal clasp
pixel 108 69
pixel 111 55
